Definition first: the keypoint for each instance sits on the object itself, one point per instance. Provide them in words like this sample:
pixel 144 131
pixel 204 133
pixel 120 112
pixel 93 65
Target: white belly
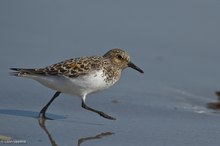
pixel 80 86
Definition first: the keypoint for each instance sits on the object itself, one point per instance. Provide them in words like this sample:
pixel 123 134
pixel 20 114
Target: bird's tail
pixel 20 72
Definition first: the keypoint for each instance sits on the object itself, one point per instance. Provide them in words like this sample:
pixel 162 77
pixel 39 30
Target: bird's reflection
pixel 43 126
pixel 99 136
pixel 80 140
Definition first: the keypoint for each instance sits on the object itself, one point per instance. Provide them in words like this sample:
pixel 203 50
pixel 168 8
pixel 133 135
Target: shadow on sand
pixel 30 114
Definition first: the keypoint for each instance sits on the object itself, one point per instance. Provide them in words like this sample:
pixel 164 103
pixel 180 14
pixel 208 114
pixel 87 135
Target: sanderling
pixel 80 76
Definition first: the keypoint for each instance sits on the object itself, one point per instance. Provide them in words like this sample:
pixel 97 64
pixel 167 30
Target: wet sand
pixel 161 116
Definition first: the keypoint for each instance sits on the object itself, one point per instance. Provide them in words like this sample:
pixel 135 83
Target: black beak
pixel 132 65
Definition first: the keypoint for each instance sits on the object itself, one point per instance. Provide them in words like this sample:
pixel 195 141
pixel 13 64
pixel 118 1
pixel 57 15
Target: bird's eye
pixel 120 57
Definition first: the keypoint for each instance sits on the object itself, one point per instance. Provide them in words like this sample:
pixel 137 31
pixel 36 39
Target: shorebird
pixel 80 76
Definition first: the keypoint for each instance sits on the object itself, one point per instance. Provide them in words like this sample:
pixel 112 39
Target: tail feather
pixel 21 71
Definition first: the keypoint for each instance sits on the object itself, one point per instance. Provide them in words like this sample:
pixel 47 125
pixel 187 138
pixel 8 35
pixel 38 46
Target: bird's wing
pixel 70 68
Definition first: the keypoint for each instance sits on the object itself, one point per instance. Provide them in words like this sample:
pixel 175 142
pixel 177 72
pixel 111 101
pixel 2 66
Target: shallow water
pixel 175 43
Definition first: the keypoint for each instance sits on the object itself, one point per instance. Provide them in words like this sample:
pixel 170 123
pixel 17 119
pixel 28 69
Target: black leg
pixel 44 109
pixel 96 111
